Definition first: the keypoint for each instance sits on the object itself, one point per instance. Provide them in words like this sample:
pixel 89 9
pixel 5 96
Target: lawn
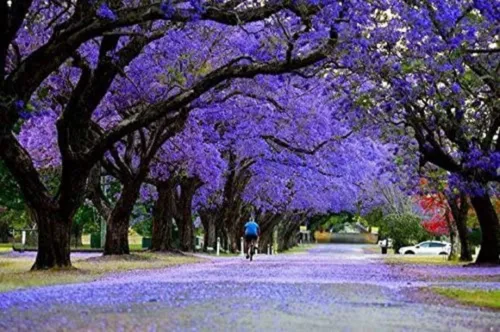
pixel 15 274
pixel 423 260
pixel 221 253
pixel 300 249
pixel 481 298
pixel 375 249
pixel 84 247
pixel 5 247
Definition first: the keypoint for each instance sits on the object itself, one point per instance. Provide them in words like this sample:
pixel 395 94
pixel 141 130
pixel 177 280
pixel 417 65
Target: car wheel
pixel 409 252
pixel 443 253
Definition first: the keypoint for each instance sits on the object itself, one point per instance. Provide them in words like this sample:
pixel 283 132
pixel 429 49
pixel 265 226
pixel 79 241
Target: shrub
pixel 404 229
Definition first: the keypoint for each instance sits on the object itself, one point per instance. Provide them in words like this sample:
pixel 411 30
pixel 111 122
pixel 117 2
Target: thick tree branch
pixel 295 149
pixel 483 50
pixel 20 165
pixel 492 131
pixel 95 194
pixel 15 17
pixel 300 150
pixel 50 56
pixel 171 106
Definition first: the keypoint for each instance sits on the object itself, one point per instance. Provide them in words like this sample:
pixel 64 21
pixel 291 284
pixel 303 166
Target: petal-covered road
pixel 331 287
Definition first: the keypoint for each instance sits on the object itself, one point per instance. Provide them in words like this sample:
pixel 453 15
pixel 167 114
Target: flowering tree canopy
pixel 286 105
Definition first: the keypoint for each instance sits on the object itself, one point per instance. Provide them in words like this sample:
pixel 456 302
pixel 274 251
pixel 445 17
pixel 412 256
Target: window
pixel 424 245
pixel 436 245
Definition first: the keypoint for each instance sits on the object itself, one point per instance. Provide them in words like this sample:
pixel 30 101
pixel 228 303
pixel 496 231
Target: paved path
pixel 330 288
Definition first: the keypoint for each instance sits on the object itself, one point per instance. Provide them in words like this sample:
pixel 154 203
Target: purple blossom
pixel 455 88
pixel 197 5
pixel 328 282
pixel 279 180
pixel 167 8
pixel 19 105
pixel 459 114
pixel 396 66
pixel 25 115
pixel 105 12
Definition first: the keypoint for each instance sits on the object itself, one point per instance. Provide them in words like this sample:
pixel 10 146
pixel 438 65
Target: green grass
pixel 132 247
pixel 15 274
pixel 470 278
pixel 375 249
pixel 422 260
pixel 221 254
pixel 5 247
pixel 481 298
pixel 85 247
pixel 301 249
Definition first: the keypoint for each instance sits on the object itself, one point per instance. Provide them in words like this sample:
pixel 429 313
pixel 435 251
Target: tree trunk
pixel 186 229
pixel 452 227
pixel 232 218
pixel 208 218
pixel 234 222
pixel 54 235
pixel 488 220
pixel 291 231
pixel 163 214
pixel 455 245
pixel 53 217
pixel 211 239
pixel 77 236
pixel 286 231
pixel 222 234
pixel 465 251
pixel 118 222
pixel 459 207
pixel 4 231
pixel 95 194
pixel 267 223
pixel 117 233
pixel 235 233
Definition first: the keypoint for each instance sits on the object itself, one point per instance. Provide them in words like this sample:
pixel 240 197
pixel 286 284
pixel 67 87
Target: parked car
pixel 427 248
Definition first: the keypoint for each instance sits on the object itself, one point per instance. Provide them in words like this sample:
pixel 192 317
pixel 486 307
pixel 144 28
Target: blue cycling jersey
pixel 251 228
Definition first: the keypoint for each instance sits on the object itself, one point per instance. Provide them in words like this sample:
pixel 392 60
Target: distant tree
pixel 405 229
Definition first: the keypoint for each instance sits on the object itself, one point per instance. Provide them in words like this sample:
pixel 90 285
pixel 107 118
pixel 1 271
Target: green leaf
pixel 43 92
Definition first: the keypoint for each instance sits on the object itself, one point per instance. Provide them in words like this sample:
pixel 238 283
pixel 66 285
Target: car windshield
pixel 424 245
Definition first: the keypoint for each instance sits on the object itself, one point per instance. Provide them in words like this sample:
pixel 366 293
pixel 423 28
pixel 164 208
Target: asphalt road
pixel 329 288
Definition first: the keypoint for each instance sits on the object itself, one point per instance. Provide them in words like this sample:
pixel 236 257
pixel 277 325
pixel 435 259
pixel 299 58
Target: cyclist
pixel 252 233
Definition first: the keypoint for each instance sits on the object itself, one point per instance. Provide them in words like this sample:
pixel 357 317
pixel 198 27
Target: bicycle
pixel 251 250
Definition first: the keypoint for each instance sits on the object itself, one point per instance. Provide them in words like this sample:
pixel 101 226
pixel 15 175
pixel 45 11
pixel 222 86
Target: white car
pixel 427 248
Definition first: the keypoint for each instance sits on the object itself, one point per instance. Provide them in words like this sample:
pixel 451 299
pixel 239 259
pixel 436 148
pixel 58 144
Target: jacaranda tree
pixel 97 41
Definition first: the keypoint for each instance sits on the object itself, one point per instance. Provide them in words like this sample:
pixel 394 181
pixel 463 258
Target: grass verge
pixel 221 254
pixel 82 248
pixel 15 274
pixel 375 249
pixel 480 298
pixel 5 247
pixel 422 260
pixel 301 249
